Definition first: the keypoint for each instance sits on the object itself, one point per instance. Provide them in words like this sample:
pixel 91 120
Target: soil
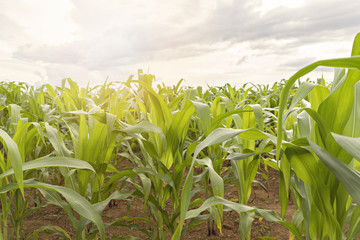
pixel 264 198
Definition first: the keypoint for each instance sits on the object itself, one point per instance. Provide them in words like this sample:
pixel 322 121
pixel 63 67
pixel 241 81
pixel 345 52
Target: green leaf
pixel 349 177
pixel 14 158
pixel 76 201
pixel 317 96
pixel 303 90
pixel 258 116
pixel 323 127
pixel 51 162
pixel 100 206
pixel 268 215
pixel 351 62
pixel 238 156
pixel 303 163
pixel 352 127
pixel 219 118
pixel 217 183
pixel 146 127
pixel 45 229
pixel 349 144
pixel 203 111
pixel 219 135
pixel 56 141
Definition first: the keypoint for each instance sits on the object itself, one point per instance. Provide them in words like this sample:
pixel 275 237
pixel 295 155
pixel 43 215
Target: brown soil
pixel 267 199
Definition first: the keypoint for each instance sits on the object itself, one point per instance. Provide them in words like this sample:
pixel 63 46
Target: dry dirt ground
pixel 52 215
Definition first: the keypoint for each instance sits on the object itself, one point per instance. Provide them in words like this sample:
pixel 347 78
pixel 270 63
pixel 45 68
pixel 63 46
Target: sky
pixel 205 42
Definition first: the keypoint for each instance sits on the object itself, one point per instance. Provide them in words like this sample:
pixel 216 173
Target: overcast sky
pixel 203 41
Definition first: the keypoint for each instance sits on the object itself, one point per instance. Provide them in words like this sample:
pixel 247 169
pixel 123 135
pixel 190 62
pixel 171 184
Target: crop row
pixel 67 146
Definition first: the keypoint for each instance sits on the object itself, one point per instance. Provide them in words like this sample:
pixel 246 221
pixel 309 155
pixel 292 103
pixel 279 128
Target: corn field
pixel 67 145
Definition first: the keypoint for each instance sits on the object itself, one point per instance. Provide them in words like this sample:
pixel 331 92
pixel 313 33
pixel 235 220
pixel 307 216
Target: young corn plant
pixel 323 203
pixel 222 113
pixel 219 135
pixel 16 176
pixel 245 163
pixel 216 153
pixel 161 140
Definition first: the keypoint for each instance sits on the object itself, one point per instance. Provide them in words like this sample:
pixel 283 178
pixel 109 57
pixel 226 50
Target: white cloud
pixel 202 41
pixel 266 5
pixel 15 70
pixel 42 21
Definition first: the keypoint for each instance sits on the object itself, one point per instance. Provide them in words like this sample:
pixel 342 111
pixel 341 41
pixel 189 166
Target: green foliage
pixel 179 148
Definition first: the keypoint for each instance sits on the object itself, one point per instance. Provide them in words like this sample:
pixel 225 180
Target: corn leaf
pixel 51 162
pixel 14 158
pixel 76 201
pixel 349 177
pixel 240 208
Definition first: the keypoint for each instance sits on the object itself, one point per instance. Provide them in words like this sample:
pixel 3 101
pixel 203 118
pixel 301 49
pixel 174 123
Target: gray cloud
pixel 112 36
pixel 314 22
pixel 241 60
pixel 66 53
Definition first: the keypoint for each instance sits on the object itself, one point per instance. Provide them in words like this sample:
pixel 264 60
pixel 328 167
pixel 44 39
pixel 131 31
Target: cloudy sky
pixel 203 41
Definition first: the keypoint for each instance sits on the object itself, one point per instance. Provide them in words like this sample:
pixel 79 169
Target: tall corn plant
pixel 87 133
pixel 93 142
pixel 323 202
pixel 158 146
pixel 91 133
pixel 162 142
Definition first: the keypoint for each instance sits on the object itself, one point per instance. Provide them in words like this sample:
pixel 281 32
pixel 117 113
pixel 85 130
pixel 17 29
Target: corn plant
pixel 162 144
pixel 217 136
pixel 67 144
pixel 323 202
pixel 13 184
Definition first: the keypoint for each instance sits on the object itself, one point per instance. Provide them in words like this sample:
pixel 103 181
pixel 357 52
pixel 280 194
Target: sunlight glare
pixel 52 25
